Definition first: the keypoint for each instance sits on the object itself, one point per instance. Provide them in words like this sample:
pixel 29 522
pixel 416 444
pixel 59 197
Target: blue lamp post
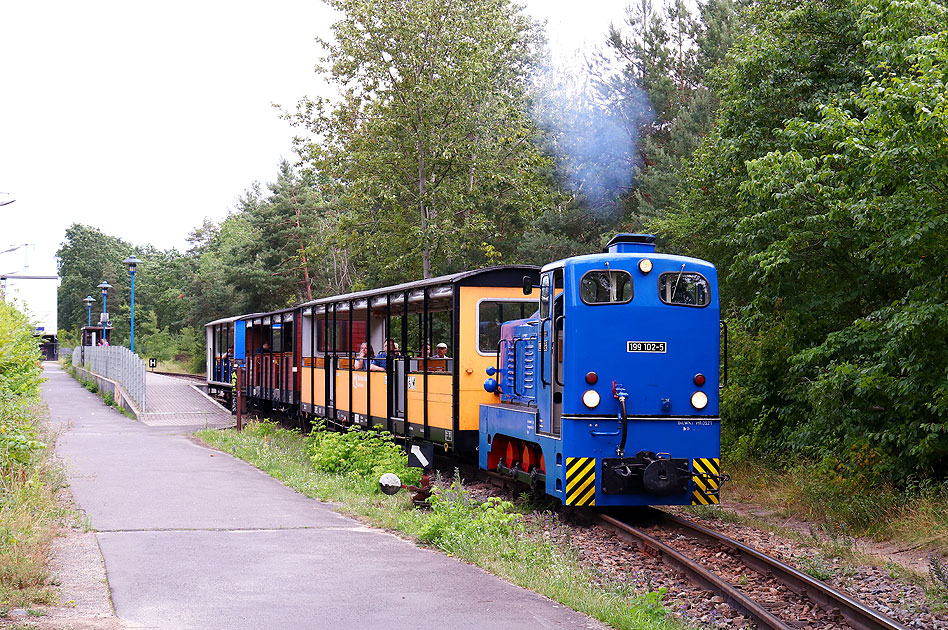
pixel 132 262
pixel 89 300
pixel 105 286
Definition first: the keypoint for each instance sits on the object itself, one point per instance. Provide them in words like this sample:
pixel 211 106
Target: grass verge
pixel 29 476
pixel 531 552
pixel 30 518
pixel 916 518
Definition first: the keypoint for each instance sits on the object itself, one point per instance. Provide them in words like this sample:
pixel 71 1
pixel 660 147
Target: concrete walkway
pixel 175 402
pixel 193 538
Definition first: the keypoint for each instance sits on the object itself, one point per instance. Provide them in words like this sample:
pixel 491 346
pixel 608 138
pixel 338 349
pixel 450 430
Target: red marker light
pixel 699 379
pixel 592 378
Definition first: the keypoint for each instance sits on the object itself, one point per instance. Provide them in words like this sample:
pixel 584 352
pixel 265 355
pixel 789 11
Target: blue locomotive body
pixel 608 394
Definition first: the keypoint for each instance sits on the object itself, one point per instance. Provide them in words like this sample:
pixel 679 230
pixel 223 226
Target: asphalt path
pixel 193 538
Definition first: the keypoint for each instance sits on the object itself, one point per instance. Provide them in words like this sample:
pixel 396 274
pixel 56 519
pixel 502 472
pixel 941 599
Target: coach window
pixel 492 313
pixel 277 345
pixel 684 288
pixel 603 286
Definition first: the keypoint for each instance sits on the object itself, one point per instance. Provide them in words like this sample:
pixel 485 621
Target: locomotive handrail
pixel 553 353
pixel 618 431
pixel 543 380
pixel 497 364
pixel 723 383
pixel 515 342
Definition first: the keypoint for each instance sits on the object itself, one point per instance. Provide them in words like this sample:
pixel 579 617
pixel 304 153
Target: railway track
pixel 779 610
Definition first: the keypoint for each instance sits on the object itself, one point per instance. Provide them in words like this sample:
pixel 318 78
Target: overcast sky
pixel 142 119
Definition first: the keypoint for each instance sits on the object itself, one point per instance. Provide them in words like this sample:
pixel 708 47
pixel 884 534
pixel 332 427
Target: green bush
pixel 457 521
pixel 20 378
pixel 359 453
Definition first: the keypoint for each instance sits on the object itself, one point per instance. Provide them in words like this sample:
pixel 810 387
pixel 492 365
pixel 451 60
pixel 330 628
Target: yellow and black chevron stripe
pixel 706 473
pixel 581 481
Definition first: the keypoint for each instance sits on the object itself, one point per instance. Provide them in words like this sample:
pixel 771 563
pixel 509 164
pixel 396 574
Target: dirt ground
pixel 913 558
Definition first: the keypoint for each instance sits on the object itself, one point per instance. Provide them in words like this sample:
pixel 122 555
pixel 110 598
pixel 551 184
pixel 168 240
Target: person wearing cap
pixel 442 351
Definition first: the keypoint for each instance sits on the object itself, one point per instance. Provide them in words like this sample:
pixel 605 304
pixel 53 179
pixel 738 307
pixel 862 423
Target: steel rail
pixel 181 375
pixel 857 614
pixel 697 573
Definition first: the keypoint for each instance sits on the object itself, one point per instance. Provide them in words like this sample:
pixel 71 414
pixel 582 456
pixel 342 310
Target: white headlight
pixel 699 400
pixel 591 398
pixel 645 265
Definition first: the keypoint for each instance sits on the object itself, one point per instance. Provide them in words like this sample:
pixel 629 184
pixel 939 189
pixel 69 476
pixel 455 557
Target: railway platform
pixel 194 538
pixel 177 402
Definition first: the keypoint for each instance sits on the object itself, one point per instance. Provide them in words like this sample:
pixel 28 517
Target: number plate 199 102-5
pixel 646 346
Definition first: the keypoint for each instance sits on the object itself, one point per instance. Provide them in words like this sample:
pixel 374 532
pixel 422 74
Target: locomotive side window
pixel 545 296
pixel 492 313
pixel 603 286
pixel 684 288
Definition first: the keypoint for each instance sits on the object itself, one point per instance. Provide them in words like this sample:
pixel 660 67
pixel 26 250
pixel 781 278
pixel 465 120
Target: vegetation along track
pixel 780 598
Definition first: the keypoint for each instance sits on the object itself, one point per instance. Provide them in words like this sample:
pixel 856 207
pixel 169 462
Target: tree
pixel 654 77
pixel 821 196
pixel 428 152
pixel 86 258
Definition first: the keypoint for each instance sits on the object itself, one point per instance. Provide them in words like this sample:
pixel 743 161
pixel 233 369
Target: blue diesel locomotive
pixel 608 394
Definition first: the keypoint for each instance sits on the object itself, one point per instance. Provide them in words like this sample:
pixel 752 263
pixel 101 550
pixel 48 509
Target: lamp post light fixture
pixel 89 300
pixel 132 261
pixel 105 286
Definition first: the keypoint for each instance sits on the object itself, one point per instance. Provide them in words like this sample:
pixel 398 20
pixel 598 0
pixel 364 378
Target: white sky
pixel 142 119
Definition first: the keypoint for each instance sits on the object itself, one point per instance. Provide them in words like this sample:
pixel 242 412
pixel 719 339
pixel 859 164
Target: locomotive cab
pixel 614 381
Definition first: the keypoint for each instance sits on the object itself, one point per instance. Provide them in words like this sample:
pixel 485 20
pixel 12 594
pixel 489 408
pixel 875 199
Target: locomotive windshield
pixel 603 286
pixel 684 288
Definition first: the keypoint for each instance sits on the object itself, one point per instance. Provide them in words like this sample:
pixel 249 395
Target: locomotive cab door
pixel 550 396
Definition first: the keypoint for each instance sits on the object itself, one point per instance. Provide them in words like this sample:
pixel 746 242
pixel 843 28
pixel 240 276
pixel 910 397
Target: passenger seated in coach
pixel 383 358
pixel 441 351
pixel 362 359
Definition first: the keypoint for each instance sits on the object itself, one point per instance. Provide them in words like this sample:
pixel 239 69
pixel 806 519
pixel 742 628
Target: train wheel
pixel 530 459
pixel 513 453
pixel 498 451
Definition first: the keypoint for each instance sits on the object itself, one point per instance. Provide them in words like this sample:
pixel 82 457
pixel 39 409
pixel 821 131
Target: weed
pixel 361 454
pixel 938 574
pixel 817 567
pixel 92 386
pixel 456 520
pixel 109 399
pixel 31 612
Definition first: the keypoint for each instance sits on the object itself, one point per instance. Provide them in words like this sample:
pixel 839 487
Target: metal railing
pixel 118 364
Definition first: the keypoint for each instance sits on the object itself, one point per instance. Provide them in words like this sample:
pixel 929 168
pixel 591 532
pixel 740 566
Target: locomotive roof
pixel 500 276
pixel 612 257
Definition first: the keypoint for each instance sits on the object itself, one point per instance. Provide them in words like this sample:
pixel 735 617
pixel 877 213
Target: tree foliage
pixel 429 151
pixel 821 193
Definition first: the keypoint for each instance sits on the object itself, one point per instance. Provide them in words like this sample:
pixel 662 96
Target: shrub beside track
pixel 29 479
